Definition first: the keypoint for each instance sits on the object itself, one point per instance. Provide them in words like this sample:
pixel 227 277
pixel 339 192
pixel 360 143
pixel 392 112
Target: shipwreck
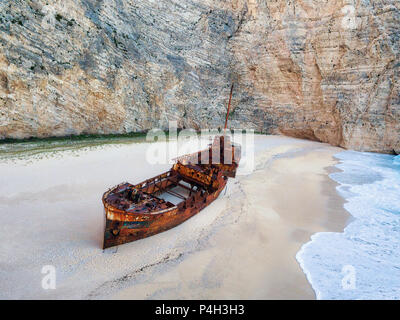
pixel 136 211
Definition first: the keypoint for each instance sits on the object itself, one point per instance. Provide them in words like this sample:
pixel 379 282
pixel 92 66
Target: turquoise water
pixel 363 262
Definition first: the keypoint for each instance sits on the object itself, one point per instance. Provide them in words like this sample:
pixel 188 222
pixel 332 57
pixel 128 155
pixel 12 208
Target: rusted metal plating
pixel 137 211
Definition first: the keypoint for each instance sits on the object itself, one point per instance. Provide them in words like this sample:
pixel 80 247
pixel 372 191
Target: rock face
pixel 326 70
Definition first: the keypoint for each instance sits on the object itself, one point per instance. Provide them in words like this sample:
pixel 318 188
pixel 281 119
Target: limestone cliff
pixel 326 70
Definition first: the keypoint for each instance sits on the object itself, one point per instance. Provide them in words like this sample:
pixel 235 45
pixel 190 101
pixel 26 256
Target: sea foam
pixel 363 262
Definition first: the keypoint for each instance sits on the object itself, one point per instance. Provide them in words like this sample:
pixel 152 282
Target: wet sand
pixel 242 246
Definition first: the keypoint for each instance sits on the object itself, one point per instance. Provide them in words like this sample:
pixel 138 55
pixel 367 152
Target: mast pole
pixel 229 107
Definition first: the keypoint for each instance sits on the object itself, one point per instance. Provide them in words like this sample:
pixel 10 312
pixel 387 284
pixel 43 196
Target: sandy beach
pixel 243 246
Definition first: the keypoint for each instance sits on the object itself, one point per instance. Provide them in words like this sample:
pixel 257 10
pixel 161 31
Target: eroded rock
pixel 322 70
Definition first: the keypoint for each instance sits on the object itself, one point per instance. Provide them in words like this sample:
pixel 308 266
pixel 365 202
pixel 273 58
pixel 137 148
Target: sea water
pixel 363 262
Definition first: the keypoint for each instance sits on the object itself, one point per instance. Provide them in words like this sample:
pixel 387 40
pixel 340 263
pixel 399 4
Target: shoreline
pixel 322 210
pixel 97 136
pixel 337 200
pixel 360 261
pixel 336 218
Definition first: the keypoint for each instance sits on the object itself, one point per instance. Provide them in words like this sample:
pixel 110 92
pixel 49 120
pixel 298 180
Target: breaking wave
pixel 363 262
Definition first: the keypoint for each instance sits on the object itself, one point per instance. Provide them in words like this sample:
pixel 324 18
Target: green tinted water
pixel 18 149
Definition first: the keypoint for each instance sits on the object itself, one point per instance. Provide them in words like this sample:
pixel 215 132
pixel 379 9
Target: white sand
pixel 242 246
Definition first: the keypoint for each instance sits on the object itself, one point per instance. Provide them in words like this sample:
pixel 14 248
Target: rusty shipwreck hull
pixel 133 212
pixel 123 228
